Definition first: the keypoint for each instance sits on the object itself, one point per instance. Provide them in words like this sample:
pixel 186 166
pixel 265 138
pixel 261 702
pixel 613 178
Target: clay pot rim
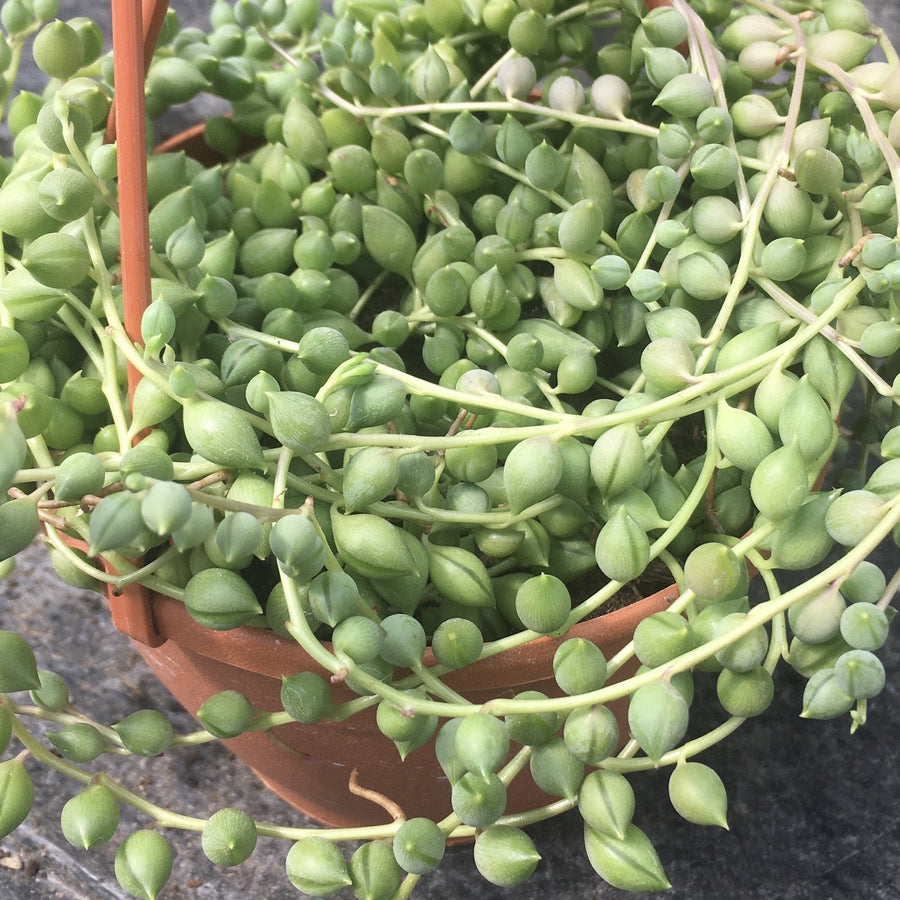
pixel 161 618
pixel 264 651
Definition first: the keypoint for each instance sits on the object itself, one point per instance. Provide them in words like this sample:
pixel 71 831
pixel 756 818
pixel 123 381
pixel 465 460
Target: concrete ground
pixel 813 810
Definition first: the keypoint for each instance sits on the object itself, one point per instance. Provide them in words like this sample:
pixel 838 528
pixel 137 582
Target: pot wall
pixel 309 765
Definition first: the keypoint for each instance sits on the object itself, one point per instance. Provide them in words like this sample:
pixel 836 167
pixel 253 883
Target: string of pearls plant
pixel 494 319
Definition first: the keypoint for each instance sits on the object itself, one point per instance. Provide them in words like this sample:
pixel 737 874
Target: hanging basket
pixel 309 766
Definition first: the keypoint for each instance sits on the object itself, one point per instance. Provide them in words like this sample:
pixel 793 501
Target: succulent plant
pixel 472 322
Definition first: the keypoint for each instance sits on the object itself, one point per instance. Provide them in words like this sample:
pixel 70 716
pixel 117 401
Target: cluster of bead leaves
pixel 447 360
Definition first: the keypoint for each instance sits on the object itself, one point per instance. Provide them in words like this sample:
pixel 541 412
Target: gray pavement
pixel 813 810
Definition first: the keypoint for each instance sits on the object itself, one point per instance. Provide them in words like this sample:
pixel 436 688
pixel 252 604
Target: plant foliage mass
pixel 474 319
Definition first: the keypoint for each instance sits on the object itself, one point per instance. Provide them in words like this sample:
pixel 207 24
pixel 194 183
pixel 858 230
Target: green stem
pixel 138 575
pixel 165 818
pixel 236 330
pixel 873 130
pixel 16 44
pixel 884 601
pixel 68 716
pixel 758 615
pixel 437 687
pixel 407 887
pixel 696 397
pixel 490 74
pixel 110 375
pixel 684 751
pixel 625 126
pixel 887 48
pixel 367 294
pixel 68 131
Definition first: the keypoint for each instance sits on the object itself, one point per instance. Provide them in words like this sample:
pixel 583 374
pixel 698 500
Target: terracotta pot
pixel 309 765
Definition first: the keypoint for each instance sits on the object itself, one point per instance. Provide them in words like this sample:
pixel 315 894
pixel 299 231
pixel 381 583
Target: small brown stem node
pixel 388 805
pixel 711 506
pixel 855 250
pixel 785 53
pixel 214 478
pixel 57 522
pixel 461 417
